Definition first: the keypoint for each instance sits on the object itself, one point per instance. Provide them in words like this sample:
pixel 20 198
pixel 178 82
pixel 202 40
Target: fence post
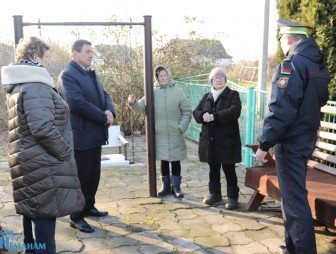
pixel 250 120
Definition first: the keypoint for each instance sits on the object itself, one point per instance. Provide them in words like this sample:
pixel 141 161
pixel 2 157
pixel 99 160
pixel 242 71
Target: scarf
pixel 216 93
pixel 31 62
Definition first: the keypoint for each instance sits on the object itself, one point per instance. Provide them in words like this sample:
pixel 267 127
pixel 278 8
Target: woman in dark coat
pixel 219 144
pixel 40 147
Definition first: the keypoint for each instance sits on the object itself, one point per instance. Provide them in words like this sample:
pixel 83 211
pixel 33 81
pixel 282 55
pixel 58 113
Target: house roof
pixel 206 47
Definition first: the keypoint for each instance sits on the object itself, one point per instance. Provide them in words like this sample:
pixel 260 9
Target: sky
pixel 237 23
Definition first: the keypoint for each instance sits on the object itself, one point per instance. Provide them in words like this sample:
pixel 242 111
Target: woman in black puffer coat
pixel 40 146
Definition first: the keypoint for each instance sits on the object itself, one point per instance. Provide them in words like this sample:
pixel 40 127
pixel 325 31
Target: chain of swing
pixel 131 68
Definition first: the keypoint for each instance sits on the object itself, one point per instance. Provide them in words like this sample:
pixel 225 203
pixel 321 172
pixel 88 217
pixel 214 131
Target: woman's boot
pixel 215 194
pixel 165 188
pixel 233 194
pixel 176 186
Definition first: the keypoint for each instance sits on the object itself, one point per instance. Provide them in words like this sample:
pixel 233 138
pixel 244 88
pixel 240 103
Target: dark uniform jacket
pixel 299 90
pixel 220 139
pixel 88 101
pixel 40 145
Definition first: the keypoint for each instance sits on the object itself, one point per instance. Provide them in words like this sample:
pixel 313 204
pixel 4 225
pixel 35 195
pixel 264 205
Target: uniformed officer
pixel 299 90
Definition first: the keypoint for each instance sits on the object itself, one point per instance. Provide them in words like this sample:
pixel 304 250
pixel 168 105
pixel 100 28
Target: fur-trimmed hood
pixel 14 74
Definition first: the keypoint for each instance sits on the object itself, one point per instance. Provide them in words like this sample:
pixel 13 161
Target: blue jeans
pixel 291 164
pixel 39 235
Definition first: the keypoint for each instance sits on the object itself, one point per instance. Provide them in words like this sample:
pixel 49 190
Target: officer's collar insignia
pixel 283 82
pixel 285 71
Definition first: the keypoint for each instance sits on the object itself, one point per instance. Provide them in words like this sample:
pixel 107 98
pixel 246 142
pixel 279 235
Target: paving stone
pixel 155 249
pixel 64 244
pixel 250 248
pixel 212 241
pixel 126 250
pixel 185 245
pixel 258 235
pixel 178 232
pixel 272 244
pixel 227 227
pixel 238 238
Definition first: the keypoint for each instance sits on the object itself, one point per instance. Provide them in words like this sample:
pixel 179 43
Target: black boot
pixel 215 194
pixel 165 188
pixel 233 194
pixel 176 183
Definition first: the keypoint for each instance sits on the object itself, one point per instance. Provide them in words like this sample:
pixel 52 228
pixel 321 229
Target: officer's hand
pixel 260 156
pixel 131 99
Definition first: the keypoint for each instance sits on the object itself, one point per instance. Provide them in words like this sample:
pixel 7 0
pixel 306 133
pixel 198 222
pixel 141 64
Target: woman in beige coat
pixel 172 112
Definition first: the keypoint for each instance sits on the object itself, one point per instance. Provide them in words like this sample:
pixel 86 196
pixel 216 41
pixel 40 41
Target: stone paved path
pixel 138 223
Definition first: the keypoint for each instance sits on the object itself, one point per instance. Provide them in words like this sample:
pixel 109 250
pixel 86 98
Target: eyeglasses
pixel 220 77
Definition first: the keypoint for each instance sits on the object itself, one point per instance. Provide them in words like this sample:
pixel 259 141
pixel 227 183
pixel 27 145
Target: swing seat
pixel 116 140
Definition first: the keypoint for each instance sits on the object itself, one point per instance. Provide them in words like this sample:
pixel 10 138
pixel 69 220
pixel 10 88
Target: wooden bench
pixel 321 174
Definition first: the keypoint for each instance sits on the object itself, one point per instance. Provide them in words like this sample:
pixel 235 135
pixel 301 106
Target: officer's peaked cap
pixel 291 27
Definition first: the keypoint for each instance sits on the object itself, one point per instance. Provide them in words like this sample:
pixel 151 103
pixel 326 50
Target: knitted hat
pixel 217 72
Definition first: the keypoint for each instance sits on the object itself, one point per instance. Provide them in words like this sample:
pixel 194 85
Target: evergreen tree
pixel 320 15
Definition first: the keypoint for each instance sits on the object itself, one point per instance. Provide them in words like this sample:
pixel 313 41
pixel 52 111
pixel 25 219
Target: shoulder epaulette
pixel 286 67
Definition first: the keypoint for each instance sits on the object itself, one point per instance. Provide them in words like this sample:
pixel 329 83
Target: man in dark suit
pixel 92 112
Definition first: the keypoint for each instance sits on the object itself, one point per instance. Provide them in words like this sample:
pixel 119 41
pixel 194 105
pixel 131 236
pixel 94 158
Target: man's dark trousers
pixel 88 165
pixel 291 157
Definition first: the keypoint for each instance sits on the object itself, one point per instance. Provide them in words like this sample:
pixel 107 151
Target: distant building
pixel 212 52
pixel 105 53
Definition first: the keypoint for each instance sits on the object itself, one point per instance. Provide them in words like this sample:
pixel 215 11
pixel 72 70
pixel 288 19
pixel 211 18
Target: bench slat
pixel 322 167
pixel 325 156
pixel 328 125
pixel 331 110
pixel 327 135
pixel 326 146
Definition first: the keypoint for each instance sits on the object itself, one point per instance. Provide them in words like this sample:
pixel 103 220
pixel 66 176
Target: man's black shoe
pixel 283 249
pixel 81 225
pixel 95 212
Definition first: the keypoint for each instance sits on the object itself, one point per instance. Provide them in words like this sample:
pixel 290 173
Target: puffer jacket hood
pixel 156 80
pixel 308 48
pixel 12 75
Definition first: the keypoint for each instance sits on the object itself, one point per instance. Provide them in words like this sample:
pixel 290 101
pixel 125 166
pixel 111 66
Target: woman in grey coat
pixel 220 145
pixel 172 113
pixel 40 147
